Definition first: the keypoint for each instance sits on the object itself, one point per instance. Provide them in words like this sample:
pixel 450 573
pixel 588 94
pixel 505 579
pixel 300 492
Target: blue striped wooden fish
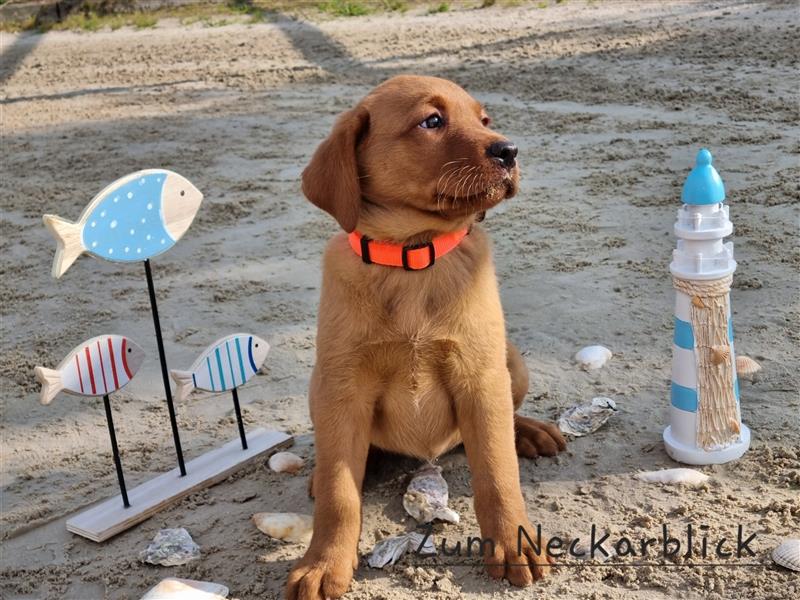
pixel 224 365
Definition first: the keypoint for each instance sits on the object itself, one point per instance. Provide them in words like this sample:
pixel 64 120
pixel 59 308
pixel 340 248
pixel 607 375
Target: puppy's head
pixel 414 144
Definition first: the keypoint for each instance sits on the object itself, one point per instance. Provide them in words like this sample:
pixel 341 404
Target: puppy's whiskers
pixel 473 178
pixel 444 171
pixel 441 188
pixel 462 183
pixel 480 182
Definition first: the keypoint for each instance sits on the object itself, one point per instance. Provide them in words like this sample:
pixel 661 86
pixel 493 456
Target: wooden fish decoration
pixel 137 217
pixel 224 365
pixel 97 367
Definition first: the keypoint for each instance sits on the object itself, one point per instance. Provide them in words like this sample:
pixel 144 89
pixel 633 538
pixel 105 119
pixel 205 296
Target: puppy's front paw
pixel 316 577
pixel 537 438
pixel 520 564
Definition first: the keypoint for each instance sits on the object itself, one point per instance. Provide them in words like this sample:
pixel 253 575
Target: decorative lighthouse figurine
pixel 705 421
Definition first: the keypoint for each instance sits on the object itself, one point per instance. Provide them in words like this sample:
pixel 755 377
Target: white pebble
pixel 285 462
pixel 593 357
pixel 290 527
pixel 173 588
pixel 688 477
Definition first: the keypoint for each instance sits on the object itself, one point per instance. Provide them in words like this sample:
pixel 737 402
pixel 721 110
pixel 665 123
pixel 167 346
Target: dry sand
pixel 608 103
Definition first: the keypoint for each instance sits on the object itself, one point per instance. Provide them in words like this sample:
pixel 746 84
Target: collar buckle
pixel 365 256
pixel 431 255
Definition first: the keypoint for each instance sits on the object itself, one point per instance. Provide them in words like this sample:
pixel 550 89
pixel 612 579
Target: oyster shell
pixel 285 462
pixel 426 496
pixel 173 588
pixel 289 527
pixel 170 547
pixel 592 357
pixel 388 551
pixel 586 418
pixel 746 367
pixel 681 476
pixel 788 554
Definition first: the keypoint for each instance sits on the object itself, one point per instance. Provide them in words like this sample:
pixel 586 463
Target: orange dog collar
pixel 412 258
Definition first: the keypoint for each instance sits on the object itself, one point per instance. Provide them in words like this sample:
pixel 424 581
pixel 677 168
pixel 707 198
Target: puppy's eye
pixel 486 121
pixel 432 122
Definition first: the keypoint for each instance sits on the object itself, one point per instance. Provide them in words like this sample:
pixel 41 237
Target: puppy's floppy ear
pixel 331 178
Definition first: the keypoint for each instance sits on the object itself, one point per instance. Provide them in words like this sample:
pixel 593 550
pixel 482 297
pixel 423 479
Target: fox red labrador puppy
pixel 412 355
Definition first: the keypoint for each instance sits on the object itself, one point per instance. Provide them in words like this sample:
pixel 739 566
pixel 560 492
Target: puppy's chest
pixel 415 346
pixel 414 412
pixel 414 327
pixel 421 328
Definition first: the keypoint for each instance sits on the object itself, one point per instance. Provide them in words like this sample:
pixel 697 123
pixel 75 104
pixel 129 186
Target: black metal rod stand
pixel 164 371
pixel 115 451
pixel 239 418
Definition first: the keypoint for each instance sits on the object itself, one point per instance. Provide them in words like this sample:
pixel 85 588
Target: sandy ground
pixel 608 103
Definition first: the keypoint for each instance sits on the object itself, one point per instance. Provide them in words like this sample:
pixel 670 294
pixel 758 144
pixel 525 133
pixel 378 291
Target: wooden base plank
pixel 109 518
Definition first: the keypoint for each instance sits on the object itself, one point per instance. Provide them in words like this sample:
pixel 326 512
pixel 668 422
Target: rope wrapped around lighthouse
pixel 705 419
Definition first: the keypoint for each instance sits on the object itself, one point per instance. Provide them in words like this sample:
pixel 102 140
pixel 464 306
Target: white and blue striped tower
pixel 705 420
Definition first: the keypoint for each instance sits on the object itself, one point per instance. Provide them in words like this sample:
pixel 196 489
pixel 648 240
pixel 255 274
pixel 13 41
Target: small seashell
pixel 586 418
pixel 170 547
pixel 592 357
pixel 688 477
pixel 427 495
pixel 583 552
pixel 720 354
pixel 285 462
pixel 746 367
pixel 788 554
pixel 388 551
pixel 173 588
pixel 289 527
pixel 697 301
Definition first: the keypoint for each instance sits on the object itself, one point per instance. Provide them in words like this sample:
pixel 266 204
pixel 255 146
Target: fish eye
pixel 183 193
pixel 434 121
pixel 130 350
pixel 256 345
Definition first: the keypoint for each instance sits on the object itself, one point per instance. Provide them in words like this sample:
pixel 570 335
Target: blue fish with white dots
pixel 135 218
pixel 224 365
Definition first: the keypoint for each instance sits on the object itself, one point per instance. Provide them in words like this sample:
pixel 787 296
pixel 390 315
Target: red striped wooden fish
pixel 96 367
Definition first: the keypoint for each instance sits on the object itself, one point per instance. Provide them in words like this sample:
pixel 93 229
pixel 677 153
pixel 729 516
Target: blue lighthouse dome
pixel 703 185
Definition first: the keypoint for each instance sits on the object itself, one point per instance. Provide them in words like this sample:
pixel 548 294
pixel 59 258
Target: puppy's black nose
pixel 505 153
